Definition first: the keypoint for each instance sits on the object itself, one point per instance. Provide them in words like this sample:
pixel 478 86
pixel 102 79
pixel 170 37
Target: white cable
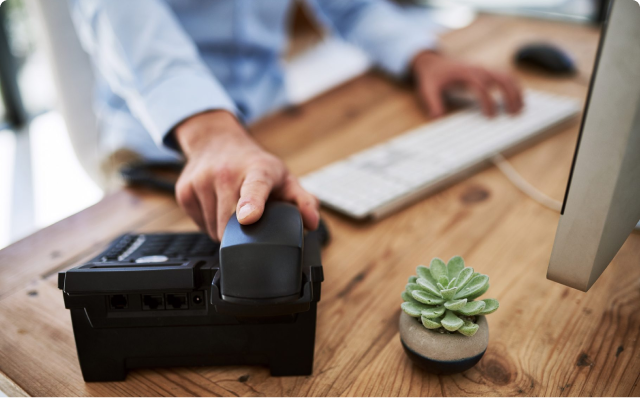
pixel 516 179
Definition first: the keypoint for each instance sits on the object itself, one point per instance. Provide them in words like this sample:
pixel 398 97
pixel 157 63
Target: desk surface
pixel 546 339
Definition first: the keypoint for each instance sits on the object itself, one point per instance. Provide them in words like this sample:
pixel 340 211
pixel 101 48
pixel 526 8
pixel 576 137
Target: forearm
pixel 147 59
pixel 378 27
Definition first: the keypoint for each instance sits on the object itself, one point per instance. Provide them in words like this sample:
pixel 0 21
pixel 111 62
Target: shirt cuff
pixel 177 98
pixel 396 59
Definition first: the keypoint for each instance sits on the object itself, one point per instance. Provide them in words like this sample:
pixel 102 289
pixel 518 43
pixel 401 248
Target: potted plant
pixel 443 328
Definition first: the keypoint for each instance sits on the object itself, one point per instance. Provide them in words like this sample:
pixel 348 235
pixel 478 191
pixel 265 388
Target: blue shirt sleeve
pixel 379 28
pixel 148 60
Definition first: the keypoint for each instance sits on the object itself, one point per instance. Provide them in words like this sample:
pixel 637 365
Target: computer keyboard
pixel 381 179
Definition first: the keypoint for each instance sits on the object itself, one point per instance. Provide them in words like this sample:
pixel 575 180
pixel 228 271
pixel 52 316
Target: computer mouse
pixel 546 57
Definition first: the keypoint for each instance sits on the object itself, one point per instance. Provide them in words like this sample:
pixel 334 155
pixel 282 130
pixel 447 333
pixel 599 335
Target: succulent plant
pixel 443 295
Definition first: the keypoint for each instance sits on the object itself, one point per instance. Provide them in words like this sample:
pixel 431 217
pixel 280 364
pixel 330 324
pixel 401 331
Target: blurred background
pixel 45 105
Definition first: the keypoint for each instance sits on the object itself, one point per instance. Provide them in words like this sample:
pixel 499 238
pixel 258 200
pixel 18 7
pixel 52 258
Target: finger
pixel 188 201
pixel 510 90
pixel 206 195
pixel 431 95
pixel 308 204
pixel 482 90
pixel 227 194
pixel 254 193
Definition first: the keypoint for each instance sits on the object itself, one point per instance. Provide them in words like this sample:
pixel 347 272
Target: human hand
pixel 436 73
pixel 228 171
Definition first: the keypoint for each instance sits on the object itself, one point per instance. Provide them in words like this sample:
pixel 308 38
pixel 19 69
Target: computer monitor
pixel 602 202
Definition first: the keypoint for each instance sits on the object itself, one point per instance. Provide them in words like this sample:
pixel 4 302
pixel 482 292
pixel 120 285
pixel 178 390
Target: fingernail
pixel 245 211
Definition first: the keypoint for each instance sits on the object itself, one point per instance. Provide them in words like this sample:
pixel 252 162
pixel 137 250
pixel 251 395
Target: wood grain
pixel 9 388
pixel 546 339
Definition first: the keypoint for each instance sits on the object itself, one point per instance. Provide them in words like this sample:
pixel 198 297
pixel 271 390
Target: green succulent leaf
pixel 479 293
pixel 464 277
pixel 411 287
pixel 490 307
pixel 472 308
pixel 426 298
pixel 431 323
pixel 424 273
pixel 438 269
pixel 429 287
pixel 452 283
pixel 455 266
pixel 469 328
pixel 451 322
pixel 434 312
pixel 406 296
pixel 414 310
pixel 455 305
pixel 448 294
pixel 477 284
pixel 443 280
pixel 413 279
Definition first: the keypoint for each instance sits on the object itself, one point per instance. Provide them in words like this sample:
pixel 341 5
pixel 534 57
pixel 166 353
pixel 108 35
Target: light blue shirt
pixel 160 61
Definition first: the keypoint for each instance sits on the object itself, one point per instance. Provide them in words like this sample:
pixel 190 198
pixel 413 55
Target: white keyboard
pixel 381 179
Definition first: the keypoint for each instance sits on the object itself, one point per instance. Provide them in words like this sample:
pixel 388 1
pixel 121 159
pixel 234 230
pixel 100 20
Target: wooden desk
pixel 546 339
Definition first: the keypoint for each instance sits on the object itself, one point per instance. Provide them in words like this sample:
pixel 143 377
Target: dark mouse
pixel 546 57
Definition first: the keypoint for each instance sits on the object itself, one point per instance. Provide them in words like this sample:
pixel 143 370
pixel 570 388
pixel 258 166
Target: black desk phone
pixel 181 299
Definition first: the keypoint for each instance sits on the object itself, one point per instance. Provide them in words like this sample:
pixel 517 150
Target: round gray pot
pixel 442 353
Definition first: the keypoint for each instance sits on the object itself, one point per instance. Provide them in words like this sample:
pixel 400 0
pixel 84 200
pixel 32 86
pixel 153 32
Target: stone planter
pixel 441 353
